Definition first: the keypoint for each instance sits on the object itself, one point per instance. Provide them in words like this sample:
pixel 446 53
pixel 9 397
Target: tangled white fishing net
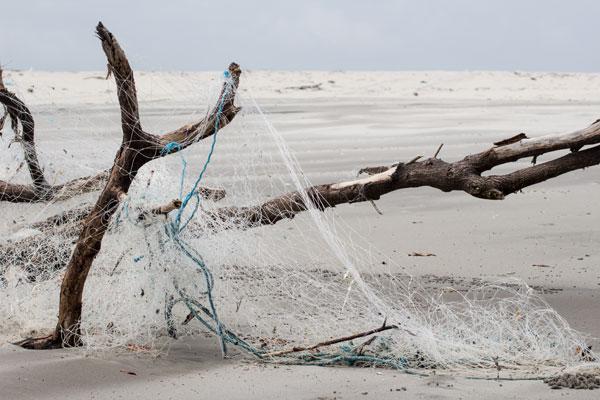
pixel 296 283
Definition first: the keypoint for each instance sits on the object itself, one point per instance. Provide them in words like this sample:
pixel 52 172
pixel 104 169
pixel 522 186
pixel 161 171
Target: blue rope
pixel 193 192
pixel 169 147
pixel 174 228
pixel 347 355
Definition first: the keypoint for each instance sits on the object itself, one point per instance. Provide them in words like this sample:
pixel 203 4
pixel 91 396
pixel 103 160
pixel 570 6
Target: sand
pixel 347 121
pixel 195 372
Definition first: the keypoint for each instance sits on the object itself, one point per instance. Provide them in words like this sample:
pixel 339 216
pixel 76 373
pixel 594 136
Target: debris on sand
pixel 316 86
pixel 417 254
pixel 127 372
pixel 574 381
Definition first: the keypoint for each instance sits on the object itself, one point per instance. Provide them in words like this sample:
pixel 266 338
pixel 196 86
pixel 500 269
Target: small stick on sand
pixel 417 254
pixel 382 328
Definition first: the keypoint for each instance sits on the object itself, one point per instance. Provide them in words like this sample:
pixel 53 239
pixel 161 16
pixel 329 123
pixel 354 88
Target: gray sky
pixel 548 35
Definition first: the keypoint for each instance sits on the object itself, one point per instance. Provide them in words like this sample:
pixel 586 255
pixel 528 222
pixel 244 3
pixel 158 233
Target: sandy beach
pixel 336 123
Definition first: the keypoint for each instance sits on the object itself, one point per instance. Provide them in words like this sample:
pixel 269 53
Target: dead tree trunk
pixel 41 190
pixel 137 149
pixel 465 175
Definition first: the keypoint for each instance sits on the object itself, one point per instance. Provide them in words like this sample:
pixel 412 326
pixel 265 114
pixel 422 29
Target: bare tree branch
pixel 41 191
pixel 464 175
pixel 137 149
pixel 160 210
pixel 18 112
pixel 224 111
pixel 330 342
pixel 118 66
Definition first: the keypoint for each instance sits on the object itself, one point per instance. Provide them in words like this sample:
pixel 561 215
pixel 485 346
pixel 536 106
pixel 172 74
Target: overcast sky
pixel 548 35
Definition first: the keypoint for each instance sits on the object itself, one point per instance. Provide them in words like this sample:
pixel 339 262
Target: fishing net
pixel 307 290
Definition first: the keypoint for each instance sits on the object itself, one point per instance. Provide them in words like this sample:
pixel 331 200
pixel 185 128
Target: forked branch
pixel 150 145
pixel 137 149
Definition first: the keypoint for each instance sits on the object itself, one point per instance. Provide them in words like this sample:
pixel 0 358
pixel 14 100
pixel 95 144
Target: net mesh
pixel 265 289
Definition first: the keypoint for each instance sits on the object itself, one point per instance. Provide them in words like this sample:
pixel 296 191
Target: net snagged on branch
pixel 291 290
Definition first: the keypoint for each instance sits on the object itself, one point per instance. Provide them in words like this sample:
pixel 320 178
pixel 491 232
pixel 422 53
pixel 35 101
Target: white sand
pixel 358 119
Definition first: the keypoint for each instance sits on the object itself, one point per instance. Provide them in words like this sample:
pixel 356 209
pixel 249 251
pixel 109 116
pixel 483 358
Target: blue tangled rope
pixel 175 226
pixel 207 316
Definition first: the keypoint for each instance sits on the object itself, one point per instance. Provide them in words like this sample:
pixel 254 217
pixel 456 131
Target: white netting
pixel 295 283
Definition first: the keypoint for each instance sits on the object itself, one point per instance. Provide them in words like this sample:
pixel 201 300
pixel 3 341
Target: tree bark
pixel 41 191
pixel 137 149
pixel 464 175
pixel 19 113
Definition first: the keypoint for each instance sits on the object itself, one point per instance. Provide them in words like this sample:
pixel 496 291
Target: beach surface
pixel 336 123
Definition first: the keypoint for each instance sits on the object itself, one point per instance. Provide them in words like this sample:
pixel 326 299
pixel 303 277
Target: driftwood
pixel 137 148
pixel 464 175
pixel 18 193
pixel 330 342
pixel 19 113
pixel 40 190
pixel 164 209
pixel 51 240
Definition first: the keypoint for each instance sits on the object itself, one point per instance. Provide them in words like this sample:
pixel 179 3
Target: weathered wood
pixel 18 193
pixel 41 191
pixel 460 175
pixel 464 175
pixel 331 342
pixel 19 113
pixel 223 112
pixel 137 149
pixel 537 146
pixel 39 254
pixel 511 140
